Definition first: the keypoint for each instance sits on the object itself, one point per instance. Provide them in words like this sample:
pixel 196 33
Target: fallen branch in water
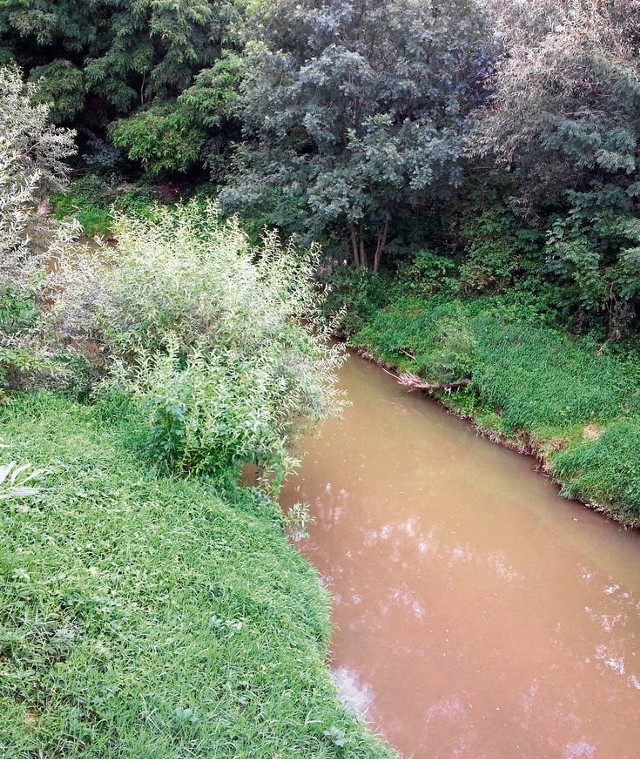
pixel 412 382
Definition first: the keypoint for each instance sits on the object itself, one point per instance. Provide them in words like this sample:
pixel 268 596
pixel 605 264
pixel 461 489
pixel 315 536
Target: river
pixel 477 614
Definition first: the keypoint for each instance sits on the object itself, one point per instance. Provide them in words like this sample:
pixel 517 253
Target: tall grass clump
pixel 606 469
pixel 545 382
pixel 218 343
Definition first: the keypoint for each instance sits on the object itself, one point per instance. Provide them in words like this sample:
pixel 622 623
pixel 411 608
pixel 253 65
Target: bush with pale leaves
pixel 32 161
pixel 220 343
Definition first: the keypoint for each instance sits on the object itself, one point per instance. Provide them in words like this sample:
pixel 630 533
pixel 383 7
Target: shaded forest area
pixel 501 138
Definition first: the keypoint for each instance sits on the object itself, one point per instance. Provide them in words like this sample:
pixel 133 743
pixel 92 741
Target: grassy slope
pixel 532 384
pixel 144 617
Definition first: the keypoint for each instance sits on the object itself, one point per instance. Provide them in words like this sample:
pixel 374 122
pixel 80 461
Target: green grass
pixel 580 405
pixel 86 200
pixel 606 469
pixel 153 617
pixel 92 203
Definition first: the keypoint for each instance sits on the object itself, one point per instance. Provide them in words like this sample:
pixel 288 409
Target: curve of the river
pixel 477 614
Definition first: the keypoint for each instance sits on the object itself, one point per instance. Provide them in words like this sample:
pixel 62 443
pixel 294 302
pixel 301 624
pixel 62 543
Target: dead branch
pixel 411 382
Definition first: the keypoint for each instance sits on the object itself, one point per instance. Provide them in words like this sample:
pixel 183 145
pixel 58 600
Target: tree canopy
pixel 563 123
pixel 353 112
pixel 113 55
pixel 376 128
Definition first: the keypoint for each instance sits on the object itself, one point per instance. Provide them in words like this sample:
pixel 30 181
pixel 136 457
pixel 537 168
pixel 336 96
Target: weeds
pixel 17 480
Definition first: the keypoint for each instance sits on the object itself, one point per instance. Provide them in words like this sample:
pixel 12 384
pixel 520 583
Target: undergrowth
pixel 93 202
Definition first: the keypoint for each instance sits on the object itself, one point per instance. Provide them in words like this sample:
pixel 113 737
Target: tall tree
pixel 124 53
pixel 353 112
pixel 563 123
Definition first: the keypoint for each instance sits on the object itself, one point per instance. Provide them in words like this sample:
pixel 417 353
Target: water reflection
pixel 477 614
pixel 357 696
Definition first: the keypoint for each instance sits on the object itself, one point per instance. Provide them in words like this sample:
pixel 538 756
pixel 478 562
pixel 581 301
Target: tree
pixel 195 128
pixel 221 344
pixel 353 113
pixel 120 54
pixel 565 98
pixel 563 123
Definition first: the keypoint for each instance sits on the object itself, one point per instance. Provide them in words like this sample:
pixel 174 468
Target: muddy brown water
pixel 477 614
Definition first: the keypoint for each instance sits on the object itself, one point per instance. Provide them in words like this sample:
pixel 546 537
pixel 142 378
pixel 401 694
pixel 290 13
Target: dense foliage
pixel 113 53
pixel 563 123
pixel 100 60
pixel 220 342
pixel 470 170
pixel 354 112
pixel 376 128
pixel 32 161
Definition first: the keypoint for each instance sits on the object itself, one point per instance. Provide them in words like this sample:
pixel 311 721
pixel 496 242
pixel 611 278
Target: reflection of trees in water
pixel 356 695
pixel 554 649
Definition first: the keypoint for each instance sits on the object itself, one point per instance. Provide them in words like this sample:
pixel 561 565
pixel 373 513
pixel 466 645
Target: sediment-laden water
pixel 477 614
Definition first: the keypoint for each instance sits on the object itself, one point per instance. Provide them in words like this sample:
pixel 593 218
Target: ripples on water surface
pixel 477 614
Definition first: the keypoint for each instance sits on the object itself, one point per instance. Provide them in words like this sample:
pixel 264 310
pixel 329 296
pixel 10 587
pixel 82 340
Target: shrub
pixel 595 252
pixel 427 273
pixel 32 153
pixel 354 296
pixel 164 139
pixel 218 342
pixel 207 413
pixel 499 253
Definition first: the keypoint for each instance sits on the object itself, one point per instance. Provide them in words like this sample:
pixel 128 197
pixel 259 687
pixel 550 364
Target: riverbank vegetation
pixel 179 182
pixel 150 615
pixel 150 604
pixel 526 383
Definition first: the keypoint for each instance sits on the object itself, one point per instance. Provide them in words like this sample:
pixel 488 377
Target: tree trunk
pixel 383 233
pixel 355 248
pixel 364 263
pixel 359 249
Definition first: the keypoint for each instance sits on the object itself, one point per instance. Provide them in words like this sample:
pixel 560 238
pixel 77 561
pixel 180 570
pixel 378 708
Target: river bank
pixel 572 402
pixel 532 388
pixel 148 615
